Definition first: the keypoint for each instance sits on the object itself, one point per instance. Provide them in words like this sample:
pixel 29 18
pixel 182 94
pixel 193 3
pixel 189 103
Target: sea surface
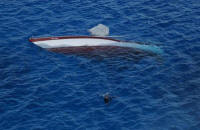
pixel 42 90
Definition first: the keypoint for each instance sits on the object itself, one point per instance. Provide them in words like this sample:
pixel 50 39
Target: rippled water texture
pixel 45 90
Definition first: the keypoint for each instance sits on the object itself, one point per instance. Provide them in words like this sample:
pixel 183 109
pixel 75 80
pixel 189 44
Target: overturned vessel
pixel 98 41
pixel 70 43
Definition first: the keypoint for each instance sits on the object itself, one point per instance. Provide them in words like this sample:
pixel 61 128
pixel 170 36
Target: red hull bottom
pixel 102 51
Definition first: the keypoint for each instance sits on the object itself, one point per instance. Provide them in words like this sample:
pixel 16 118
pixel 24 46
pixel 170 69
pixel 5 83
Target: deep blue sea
pixel 42 90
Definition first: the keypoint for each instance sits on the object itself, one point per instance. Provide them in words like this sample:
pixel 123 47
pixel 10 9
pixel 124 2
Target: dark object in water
pixel 107 98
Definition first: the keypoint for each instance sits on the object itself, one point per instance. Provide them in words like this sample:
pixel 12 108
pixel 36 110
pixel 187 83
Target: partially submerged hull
pixel 79 44
pixel 73 41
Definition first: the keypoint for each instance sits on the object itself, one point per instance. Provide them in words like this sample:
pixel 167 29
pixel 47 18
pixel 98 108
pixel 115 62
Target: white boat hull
pixel 89 41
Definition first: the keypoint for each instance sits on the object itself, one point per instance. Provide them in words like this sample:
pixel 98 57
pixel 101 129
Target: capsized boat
pixel 99 39
pixel 88 42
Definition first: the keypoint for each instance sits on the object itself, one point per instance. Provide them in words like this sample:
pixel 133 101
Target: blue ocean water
pixel 45 90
